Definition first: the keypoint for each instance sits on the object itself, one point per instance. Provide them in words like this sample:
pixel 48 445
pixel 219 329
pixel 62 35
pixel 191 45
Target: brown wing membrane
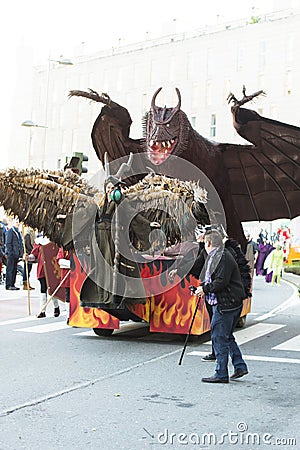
pixel 265 177
pixel 110 133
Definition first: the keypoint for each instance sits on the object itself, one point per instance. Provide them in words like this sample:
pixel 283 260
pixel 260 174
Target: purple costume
pixel 263 251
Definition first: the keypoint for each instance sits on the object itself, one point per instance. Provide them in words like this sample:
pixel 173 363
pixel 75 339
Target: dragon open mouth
pixel 158 152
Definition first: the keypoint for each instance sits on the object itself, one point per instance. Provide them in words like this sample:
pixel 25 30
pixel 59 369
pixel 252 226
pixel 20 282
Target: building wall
pixel 205 65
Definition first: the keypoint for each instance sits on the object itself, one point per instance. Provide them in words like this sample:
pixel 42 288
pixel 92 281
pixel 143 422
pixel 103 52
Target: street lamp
pixel 62 62
pixel 29 124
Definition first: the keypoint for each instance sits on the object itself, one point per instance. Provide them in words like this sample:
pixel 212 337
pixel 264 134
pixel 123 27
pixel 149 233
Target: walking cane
pixel 193 289
pixel 26 270
pixel 51 297
pixel 28 288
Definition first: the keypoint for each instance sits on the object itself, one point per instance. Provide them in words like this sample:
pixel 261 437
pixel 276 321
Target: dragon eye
pixel 168 125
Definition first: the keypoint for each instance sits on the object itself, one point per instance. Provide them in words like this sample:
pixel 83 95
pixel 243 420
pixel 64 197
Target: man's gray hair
pixel 214 237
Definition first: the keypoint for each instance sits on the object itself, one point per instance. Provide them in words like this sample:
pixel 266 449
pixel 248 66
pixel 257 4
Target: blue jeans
pixel 223 341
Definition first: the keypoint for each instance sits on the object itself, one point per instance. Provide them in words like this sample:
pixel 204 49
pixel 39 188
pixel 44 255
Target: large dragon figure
pixel 258 181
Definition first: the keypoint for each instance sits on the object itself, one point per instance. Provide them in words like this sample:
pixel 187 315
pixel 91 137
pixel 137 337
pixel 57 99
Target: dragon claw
pixel 245 99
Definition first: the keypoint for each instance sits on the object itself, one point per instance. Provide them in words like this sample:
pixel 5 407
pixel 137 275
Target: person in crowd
pixel 28 244
pixel 185 269
pixel 263 249
pixel 251 253
pixel 36 256
pixel 277 259
pixel 199 262
pixel 2 249
pixel 63 259
pixel 223 288
pixel 14 252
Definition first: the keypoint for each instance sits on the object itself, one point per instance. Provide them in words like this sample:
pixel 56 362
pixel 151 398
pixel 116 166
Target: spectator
pixel 14 252
pixel 63 259
pixel 2 249
pixel 277 258
pixel 28 243
pixel 224 290
pixel 264 249
pixel 251 253
pixel 36 255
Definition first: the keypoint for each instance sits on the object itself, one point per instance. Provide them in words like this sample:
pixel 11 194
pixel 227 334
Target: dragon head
pixel 165 131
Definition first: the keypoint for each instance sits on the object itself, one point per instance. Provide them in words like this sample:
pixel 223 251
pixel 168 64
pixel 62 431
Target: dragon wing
pixel 38 197
pixel 264 177
pixel 110 133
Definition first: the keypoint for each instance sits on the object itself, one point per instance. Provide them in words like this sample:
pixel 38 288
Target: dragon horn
pixel 179 100
pixel 154 97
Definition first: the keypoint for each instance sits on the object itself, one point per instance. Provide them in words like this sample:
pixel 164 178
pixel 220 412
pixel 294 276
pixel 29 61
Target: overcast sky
pixel 57 27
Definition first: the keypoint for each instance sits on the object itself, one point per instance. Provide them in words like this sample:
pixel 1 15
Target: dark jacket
pixel 14 244
pixel 2 241
pixel 226 281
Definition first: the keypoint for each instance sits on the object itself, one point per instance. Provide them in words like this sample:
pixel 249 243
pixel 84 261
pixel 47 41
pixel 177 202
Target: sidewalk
pixel 292 278
pixel 15 304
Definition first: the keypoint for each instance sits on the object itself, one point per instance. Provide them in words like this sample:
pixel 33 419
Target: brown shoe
pixel 27 287
pixel 238 374
pixel 214 379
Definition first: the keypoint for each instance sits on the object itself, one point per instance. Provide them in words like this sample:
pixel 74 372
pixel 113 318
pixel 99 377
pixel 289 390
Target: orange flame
pixel 86 317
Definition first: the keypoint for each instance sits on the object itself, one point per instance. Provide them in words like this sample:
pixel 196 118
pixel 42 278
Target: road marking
pixel 292 300
pixel 255 358
pixel 254 332
pixel 48 327
pixel 26 319
pixel 21 320
pixel 290 345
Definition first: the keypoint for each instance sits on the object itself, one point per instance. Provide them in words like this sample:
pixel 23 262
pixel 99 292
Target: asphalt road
pixel 66 388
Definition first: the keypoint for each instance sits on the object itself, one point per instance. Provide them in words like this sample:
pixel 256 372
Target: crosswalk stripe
pixel 25 319
pixel 290 345
pixel 255 358
pixel 254 332
pixel 48 327
pixel 291 301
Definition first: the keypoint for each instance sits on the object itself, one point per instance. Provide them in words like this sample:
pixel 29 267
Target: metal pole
pixel 188 335
pixel 46 116
pixel 27 277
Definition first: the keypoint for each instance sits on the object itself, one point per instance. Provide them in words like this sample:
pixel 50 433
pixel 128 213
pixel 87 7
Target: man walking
pixel 224 291
pixel 14 252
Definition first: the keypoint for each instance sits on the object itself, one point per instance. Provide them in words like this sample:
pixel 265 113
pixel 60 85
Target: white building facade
pixel 261 53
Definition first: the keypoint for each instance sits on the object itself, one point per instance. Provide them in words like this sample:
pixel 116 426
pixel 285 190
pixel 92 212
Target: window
pixel 289 49
pixel 193 121
pixel 208 93
pixel 288 82
pixel 209 63
pixel 213 125
pixel 262 56
pixel 240 58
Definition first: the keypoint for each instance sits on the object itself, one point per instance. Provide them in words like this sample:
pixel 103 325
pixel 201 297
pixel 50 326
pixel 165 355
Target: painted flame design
pixel 169 312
